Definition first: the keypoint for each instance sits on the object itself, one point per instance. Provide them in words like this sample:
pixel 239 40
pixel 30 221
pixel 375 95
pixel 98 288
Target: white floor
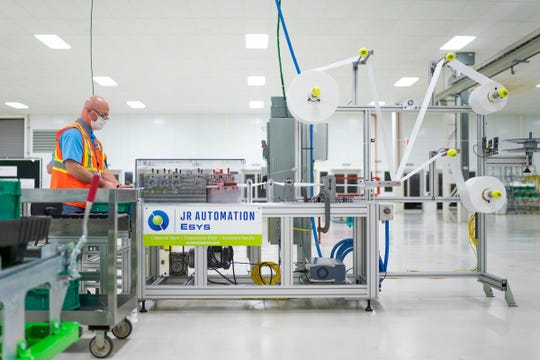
pixel 413 318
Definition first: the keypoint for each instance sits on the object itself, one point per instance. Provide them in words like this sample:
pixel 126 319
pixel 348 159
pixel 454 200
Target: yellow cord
pixel 471 225
pixel 257 277
pixel 473 241
pixel 302 229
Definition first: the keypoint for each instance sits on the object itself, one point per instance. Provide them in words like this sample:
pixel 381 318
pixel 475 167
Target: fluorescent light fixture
pixel 256 41
pixel 135 104
pixel 256 80
pixel 105 81
pixel 16 105
pixel 256 104
pixel 53 41
pixel 458 42
pixel 406 81
pixel 381 103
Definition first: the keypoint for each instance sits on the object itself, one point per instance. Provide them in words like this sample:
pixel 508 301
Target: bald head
pixel 92 107
pixel 98 103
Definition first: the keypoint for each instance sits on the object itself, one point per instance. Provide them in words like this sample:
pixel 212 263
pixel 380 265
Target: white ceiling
pixel 188 56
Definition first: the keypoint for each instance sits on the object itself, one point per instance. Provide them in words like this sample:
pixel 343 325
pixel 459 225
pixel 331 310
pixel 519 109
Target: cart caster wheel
pixel 105 350
pixel 123 329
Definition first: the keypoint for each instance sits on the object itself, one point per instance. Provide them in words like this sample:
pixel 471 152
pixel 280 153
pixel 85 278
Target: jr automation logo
pixel 158 220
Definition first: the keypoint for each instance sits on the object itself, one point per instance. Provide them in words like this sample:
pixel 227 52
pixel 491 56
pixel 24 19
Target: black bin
pixel 15 234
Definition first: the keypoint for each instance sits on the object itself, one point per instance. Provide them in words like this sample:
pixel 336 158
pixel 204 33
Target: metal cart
pixel 108 264
pixel 15 281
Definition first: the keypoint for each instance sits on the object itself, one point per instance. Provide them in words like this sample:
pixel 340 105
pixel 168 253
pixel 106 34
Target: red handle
pixel 93 188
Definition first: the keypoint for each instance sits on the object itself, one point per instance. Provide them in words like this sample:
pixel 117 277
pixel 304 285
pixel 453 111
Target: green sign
pixel 202 239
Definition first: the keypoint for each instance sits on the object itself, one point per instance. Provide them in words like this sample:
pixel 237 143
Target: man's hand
pixel 106 184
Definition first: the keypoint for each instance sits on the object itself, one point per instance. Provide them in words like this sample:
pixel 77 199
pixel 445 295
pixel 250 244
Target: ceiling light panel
pixel 105 81
pixel 257 41
pixel 53 41
pixel 256 80
pixel 406 81
pixel 16 105
pixel 135 104
pixel 458 42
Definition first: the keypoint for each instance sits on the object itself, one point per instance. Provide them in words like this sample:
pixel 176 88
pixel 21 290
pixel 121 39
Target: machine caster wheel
pixel 143 306
pixel 123 329
pixel 103 351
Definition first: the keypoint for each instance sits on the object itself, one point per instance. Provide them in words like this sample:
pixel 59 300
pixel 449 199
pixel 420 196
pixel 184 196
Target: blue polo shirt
pixel 71 143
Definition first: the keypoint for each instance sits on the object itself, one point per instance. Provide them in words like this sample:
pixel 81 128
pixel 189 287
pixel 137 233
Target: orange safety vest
pixel 93 160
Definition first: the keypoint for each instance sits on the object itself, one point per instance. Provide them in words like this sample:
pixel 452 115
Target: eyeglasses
pixel 102 115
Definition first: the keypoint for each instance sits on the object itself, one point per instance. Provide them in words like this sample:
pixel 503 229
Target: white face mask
pixel 98 124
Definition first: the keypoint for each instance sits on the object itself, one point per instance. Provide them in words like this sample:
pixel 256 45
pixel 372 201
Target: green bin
pixel 38 298
pixel 10 199
pixel 104 207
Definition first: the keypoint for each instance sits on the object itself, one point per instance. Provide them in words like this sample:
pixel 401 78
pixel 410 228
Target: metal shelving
pixel 108 267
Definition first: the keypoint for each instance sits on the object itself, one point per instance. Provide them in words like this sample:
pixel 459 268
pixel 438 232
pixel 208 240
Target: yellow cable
pixel 257 277
pixel 302 229
pixel 471 225
pixel 473 241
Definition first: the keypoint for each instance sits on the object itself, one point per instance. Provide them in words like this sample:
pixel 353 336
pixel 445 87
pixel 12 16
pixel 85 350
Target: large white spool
pixel 485 99
pixel 308 108
pixel 483 194
pixel 476 196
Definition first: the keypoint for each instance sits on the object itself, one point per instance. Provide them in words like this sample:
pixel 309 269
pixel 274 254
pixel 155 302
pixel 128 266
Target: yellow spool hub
pixel 316 91
pixel 450 57
pixel 452 152
pixel 363 52
pixel 503 92
pixel 496 194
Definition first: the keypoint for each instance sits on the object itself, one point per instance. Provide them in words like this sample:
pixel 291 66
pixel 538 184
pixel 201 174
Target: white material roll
pixel 386 135
pixel 313 109
pixel 421 167
pixel 469 71
pixel 420 118
pixel 337 64
pixel 477 195
pixel 485 100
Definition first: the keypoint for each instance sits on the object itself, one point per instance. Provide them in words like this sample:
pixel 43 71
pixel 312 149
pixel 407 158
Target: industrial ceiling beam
pixel 515 54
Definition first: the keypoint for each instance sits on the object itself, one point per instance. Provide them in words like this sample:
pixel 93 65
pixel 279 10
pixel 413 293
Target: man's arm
pixel 107 175
pixel 78 171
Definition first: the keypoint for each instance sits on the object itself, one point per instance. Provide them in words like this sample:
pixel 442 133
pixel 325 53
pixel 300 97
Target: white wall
pixel 127 138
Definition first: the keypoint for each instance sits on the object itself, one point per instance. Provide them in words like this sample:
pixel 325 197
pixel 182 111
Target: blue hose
pixel 298 71
pixel 291 50
pixel 342 257
pixel 338 245
pixel 345 246
pixel 386 243
pixel 314 228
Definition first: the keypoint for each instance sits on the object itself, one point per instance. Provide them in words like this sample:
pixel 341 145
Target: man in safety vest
pixel 79 154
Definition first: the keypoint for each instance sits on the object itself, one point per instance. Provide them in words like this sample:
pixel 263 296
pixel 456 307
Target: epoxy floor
pixel 413 318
